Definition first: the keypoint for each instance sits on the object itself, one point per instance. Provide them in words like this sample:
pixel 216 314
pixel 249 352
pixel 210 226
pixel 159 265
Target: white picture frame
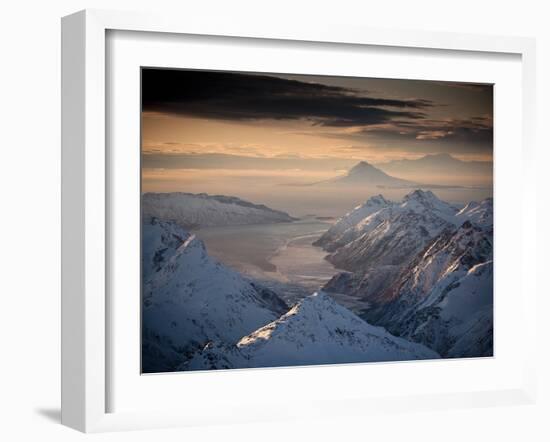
pixel 87 207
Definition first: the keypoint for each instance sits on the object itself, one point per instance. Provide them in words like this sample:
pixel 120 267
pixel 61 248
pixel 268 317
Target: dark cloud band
pixel 232 96
pixel 242 97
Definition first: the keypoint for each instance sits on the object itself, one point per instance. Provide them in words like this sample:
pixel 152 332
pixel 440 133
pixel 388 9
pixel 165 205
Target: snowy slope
pixel 480 213
pixel 190 299
pixel 406 259
pixel 394 234
pixel 393 241
pixel 376 249
pixel 420 201
pixel 377 210
pixel 317 330
pixel 447 258
pixel 457 319
pixel 159 242
pixel 467 309
pixel 202 210
pixel 333 236
pixel 432 301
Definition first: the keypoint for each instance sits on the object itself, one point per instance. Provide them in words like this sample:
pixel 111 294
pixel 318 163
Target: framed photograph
pixel 321 222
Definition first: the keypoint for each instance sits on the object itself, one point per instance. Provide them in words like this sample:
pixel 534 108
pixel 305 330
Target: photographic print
pixel 298 220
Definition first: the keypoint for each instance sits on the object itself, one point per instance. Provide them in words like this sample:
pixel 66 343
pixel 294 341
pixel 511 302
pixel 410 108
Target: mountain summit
pixel 363 168
pixel 190 299
pixel 317 330
pixel 365 174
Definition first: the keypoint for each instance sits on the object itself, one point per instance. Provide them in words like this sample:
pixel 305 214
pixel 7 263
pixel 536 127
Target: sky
pixel 226 128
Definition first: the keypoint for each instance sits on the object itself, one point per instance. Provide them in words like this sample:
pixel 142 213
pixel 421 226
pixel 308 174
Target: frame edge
pixel 73 80
pixel 83 374
pixel 83 206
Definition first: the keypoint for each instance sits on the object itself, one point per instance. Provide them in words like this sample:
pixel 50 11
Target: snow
pixel 465 315
pixel 445 299
pixel 159 242
pixel 391 236
pixel 192 299
pixel 414 263
pixel 480 213
pixel 330 239
pixel 317 330
pixel 202 210
pixel 418 207
pixel 420 268
pixel 472 294
pixel 420 201
pixel 449 257
pixel 364 218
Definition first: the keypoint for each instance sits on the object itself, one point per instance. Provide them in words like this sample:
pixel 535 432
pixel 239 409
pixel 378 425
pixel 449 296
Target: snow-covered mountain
pixel 329 240
pixel 480 213
pixel 365 174
pixel 203 210
pixel 446 259
pixel 454 318
pixel 362 220
pixel 159 242
pixel 317 330
pixel 190 299
pixel 420 268
pixel 374 250
pixel 467 312
pixel 407 259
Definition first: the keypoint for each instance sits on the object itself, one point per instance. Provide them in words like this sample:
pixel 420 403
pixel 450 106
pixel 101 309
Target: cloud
pixel 475 130
pixel 474 87
pixel 207 160
pixel 359 117
pixel 252 97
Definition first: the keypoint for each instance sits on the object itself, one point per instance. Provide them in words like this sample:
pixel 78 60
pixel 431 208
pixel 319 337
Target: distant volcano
pixel 366 174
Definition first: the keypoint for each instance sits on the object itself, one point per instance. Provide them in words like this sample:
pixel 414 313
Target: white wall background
pixel 30 219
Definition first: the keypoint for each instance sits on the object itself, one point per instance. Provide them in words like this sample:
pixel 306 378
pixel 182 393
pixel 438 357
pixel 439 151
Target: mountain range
pixel 410 260
pixel 190 299
pixel 420 269
pixel 440 167
pixel 445 296
pixel 316 330
pixel 199 314
pixel 193 211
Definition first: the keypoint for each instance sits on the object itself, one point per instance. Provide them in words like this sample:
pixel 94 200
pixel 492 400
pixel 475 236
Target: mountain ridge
pixel 440 165
pixel 317 330
pixel 374 250
pixel 410 286
pixel 192 211
pixel 190 299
